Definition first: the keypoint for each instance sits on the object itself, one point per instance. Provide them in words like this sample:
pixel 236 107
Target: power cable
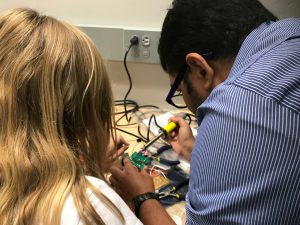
pixel 133 41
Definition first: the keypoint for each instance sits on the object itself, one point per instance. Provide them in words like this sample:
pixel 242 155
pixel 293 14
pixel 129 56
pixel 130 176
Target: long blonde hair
pixel 55 119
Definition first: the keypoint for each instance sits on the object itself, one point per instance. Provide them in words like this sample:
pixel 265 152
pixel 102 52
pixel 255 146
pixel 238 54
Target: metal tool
pixel 172 191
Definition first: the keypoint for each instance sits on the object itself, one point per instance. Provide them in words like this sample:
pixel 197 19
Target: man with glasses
pixel 238 69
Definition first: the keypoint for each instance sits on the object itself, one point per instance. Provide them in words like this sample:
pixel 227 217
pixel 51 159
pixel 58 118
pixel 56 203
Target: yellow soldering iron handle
pixel 169 127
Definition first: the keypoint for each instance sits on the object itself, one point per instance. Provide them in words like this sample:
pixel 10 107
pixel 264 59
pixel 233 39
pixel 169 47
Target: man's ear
pixel 198 65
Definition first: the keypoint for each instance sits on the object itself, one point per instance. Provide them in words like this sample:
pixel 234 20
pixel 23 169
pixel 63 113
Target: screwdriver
pixel 163 132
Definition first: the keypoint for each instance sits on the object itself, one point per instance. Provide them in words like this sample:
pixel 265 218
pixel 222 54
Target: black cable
pixel 149 106
pixel 134 105
pixel 121 117
pixel 130 82
pixel 133 41
pixel 190 116
pixel 125 102
pixel 157 123
pixel 149 125
pixel 140 133
pixel 123 125
pixel 134 135
pixel 121 102
pixel 133 109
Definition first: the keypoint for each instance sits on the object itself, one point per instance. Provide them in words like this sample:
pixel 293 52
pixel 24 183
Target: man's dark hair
pixel 208 26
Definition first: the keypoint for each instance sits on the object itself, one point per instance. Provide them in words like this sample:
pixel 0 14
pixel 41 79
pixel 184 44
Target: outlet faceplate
pixel 114 41
pixel 146 50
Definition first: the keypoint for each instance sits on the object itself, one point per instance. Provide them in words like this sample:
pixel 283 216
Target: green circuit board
pixel 139 160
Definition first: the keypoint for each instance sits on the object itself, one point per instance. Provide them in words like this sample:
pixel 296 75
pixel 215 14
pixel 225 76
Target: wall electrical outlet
pixel 114 41
pixel 145 40
pixel 146 50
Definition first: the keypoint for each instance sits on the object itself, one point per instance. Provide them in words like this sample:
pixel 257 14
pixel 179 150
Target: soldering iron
pixel 163 132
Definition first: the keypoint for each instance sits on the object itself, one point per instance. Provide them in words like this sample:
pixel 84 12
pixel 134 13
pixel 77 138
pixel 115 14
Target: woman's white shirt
pixel 70 215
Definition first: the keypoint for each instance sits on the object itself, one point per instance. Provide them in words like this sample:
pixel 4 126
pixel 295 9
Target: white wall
pixel 130 13
pixel 283 8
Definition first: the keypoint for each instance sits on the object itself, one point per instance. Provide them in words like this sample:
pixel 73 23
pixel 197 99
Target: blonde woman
pixel 56 120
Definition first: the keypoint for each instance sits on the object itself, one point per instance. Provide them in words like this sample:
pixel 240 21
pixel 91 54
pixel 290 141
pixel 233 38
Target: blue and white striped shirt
pixel 245 166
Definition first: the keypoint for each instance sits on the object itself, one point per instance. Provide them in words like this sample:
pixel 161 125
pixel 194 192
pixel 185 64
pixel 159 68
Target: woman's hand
pixel 115 149
pixel 130 182
pixel 182 139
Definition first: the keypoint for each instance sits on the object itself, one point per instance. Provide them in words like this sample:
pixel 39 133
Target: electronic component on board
pixel 139 160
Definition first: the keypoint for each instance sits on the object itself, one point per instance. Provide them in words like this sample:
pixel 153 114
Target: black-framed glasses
pixel 173 98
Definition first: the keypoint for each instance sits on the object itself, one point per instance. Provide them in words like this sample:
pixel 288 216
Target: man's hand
pixel 115 149
pixel 130 182
pixel 182 139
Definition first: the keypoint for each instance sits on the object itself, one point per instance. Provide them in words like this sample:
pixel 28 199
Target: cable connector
pixel 134 40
